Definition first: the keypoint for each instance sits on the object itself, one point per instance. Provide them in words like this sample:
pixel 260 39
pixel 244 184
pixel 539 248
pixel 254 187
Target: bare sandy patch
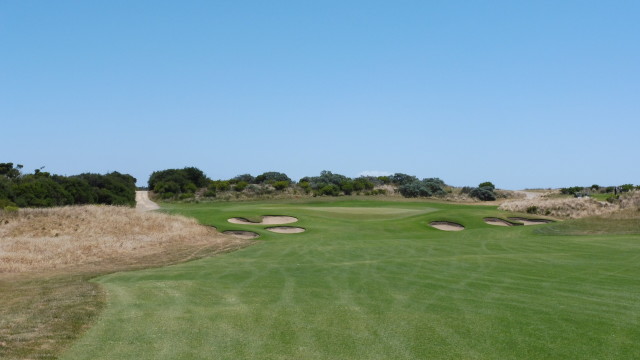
pixel 446 226
pixel 531 221
pixel 286 229
pixel 498 222
pixel 241 234
pixel 266 220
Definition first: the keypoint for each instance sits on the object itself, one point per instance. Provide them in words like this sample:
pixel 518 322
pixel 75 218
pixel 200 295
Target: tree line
pixel 43 189
pixel 190 181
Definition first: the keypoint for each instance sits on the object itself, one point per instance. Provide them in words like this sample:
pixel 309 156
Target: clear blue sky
pixel 521 93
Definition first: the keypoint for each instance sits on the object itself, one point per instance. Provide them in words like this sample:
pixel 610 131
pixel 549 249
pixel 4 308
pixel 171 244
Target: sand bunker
pixel 498 222
pixel 530 221
pixel 446 226
pixel 286 229
pixel 266 220
pixel 241 234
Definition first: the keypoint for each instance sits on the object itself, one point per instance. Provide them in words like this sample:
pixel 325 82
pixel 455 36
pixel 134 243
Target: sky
pixel 526 94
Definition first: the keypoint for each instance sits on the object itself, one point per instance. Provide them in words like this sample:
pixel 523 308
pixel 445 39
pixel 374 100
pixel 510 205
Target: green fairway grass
pixel 370 279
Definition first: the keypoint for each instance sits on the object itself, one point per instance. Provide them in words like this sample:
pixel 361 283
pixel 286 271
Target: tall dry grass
pixel 33 240
pixel 574 208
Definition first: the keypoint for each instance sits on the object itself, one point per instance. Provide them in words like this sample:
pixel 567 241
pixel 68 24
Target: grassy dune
pixel 371 280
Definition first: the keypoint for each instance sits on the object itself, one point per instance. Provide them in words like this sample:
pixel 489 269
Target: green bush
pixel 271 177
pixel 483 193
pixel 281 185
pixel 532 210
pixel 240 186
pixel 487 184
pixel 423 188
pixel 329 190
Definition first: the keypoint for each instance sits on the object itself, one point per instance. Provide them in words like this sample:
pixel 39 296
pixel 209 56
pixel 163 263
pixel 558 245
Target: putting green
pixel 394 288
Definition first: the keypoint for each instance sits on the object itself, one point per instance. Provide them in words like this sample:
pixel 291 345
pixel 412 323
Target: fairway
pixel 371 279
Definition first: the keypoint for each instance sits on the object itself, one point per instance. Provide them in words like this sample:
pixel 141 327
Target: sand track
pixel 143 203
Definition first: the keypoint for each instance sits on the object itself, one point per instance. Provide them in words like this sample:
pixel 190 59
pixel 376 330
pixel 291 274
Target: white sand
pixel 497 222
pixel 266 220
pixel 286 229
pixel 446 226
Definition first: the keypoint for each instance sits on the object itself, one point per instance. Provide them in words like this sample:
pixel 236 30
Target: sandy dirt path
pixel 143 203
pixel 529 194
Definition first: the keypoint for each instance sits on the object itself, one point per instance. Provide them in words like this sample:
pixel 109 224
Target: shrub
pixel 240 186
pixel 487 184
pixel 403 179
pixel 272 177
pixel 532 210
pixel 423 188
pixel 572 190
pixel 248 178
pixel 483 193
pixel 305 186
pixel 220 185
pixel 281 185
pixel 626 187
pixel 329 190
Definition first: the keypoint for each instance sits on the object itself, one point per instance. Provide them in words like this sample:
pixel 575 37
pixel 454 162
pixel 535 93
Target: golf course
pixel 370 278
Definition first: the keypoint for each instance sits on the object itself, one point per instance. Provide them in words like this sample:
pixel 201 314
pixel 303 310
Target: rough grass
pixel 623 222
pixel 47 257
pixel 572 208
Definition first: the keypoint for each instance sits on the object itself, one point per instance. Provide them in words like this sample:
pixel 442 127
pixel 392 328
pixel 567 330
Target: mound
pixel 446 226
pixel 498 222
pixel 286 229
pixel 57 238
pixel 246 235
pixel 266 220
pixel 531 221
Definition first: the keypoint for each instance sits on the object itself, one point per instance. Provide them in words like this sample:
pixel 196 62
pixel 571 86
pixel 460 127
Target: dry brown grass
pixel 573 208
pixel 47 257
pixel 47 239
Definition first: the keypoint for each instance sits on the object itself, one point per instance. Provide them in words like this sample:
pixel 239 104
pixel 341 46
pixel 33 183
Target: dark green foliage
pixel 329 190
pixel 532 210
pixel 248 178
pixel 423 188
pixel 572 190
pixel 7 170
pixel 172 182
pixel 403 179
pixel 113 188
pixel 487 184
pixel 384 179
pixel 328 183
pixel 626 187
pixel 41 189
pixel 595 187
pixel 271 177
pixel 484 193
